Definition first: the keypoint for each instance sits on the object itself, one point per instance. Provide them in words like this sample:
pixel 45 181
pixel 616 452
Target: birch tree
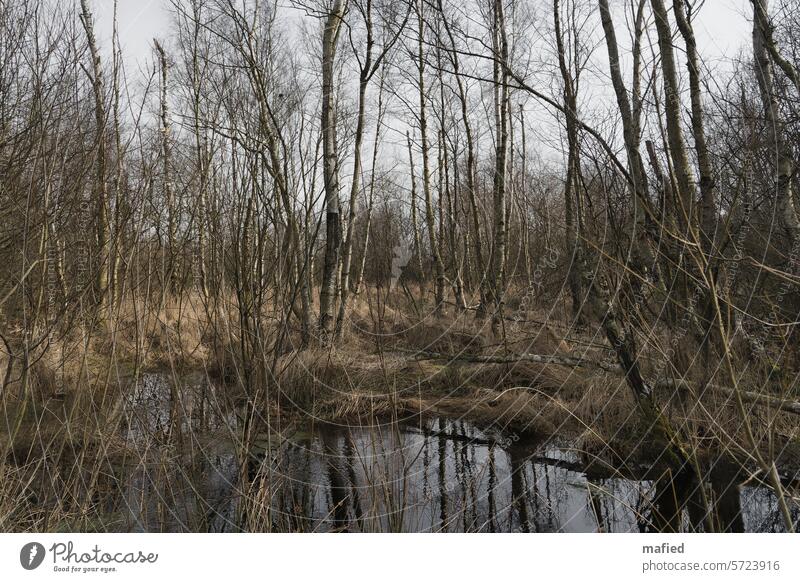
pixel 102 234
pixel 333 225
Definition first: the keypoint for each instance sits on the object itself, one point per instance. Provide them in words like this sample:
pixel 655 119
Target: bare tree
pixel 502 121
pixel 430 218
pixel 333 227
pixel 370 65
pixel 100 185
pixel 763 47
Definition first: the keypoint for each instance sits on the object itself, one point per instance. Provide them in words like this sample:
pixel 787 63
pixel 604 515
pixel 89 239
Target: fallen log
pixel 790 406
pixel 747 396
pixel 517 358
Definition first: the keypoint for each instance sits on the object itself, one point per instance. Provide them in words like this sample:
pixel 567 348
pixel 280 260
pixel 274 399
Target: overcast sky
pixel 139 22
pixel 721 26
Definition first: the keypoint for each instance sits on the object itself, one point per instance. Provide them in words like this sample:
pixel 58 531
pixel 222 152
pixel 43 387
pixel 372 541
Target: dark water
pixel 433 475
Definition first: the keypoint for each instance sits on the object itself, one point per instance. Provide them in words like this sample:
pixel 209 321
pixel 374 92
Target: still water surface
pixel 436 475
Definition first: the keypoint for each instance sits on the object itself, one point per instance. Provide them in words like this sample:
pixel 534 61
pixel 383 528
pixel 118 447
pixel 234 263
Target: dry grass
pixel 380 369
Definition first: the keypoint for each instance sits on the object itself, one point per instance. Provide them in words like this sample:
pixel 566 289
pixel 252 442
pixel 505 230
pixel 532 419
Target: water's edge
pixel 433 475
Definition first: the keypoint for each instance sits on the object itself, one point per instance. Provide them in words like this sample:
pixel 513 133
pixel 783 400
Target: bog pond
pixel 426 475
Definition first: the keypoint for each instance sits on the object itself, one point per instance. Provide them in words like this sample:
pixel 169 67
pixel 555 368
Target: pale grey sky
pixel 721 26
pixel 139 22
